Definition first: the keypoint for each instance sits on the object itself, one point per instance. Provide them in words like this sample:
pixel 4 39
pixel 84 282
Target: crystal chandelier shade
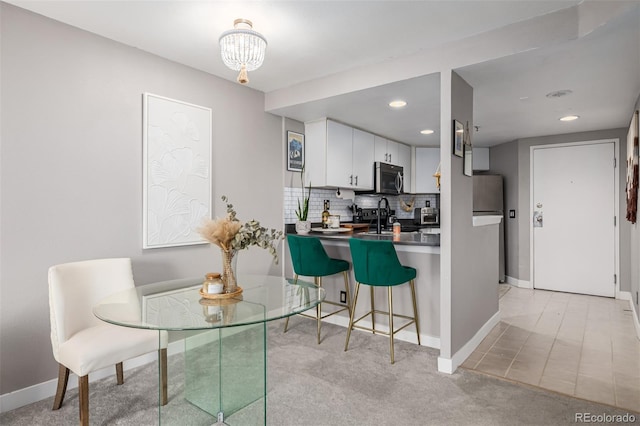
pixel 242 48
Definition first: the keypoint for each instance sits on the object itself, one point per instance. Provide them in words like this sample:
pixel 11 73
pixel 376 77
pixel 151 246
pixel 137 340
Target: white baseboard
pixel 404 335
pixel 626 295
pixel 449 366
pixel 518 283
pixel 40 391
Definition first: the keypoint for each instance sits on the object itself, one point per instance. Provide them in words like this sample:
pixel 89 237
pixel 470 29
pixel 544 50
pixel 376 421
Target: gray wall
pixel 71 170
pixel 474 258
pixel 504 161
pixel 517 184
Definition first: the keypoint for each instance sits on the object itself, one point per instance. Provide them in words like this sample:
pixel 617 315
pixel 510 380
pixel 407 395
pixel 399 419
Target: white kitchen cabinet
pixel 404 160
pixel 386 150
pixel 427 160
pixel 363 159
pixel 338 155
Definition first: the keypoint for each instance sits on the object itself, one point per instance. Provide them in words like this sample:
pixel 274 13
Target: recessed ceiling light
pixel 426 132
pixel 569 117
pixel 559 93
pixel 397 104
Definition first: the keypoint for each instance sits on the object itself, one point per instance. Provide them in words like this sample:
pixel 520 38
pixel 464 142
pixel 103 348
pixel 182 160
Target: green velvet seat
pixel 310 259
pixel 376 264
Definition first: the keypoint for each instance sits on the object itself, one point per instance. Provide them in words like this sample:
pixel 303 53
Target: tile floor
pixel 583 346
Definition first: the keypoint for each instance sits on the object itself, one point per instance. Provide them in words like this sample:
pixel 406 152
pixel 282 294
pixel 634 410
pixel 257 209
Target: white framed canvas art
pixel 176 171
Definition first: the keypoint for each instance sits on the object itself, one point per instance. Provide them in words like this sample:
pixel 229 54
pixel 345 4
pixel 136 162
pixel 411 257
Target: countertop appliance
pixel 426 216
pixel 488 200
pixel 389 178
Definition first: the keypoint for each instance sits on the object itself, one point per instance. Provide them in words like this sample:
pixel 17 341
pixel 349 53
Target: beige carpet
pixel 318 385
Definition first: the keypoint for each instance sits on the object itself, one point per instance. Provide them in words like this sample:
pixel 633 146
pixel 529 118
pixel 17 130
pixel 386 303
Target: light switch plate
pixel 512 214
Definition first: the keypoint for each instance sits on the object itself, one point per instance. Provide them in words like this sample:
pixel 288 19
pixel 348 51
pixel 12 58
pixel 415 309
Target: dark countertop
pixel 405 238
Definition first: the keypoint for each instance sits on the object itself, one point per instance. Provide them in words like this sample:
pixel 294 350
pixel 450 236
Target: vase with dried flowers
pixel 303 226
pixel 231 235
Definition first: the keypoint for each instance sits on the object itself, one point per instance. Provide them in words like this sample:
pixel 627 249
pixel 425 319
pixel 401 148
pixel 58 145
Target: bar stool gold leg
pixel 346 288
pixel 373 315
pixel 353 310
pixel 391 323
pixel 415 309
pixel 318 281
pixel 286 322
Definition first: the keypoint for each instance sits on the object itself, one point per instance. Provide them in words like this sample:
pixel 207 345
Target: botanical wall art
pixel 632 169
pixel 176 171
pixel 295 151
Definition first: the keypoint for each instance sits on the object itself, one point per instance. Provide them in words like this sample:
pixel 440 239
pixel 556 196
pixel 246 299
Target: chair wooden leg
pixel 415 309
pixel 373 315
pixel 391 323
pixel 347 291
pixel 353 310
pixel 119 374
pixel 318 281
pixel 286 322
pixel 83 393
pixel 162 359
pixel 63 379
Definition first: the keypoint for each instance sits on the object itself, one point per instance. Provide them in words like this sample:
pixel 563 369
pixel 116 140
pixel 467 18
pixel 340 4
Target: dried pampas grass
pixel 220 232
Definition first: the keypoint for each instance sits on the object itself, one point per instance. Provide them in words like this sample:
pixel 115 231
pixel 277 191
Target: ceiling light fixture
pixel 426 132
pixel 397 104
pixel 242 48
pixel 569 117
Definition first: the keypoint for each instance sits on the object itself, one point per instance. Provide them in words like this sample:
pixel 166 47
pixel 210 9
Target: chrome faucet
pixel 378 223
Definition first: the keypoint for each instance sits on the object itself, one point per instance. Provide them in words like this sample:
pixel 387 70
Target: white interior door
pixel 573 218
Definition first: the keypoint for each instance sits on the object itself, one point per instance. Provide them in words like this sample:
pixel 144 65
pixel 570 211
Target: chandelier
pixel 242 48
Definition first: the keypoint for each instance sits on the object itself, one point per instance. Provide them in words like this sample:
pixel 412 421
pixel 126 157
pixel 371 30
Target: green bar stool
pixel 376 264
pixel 311 260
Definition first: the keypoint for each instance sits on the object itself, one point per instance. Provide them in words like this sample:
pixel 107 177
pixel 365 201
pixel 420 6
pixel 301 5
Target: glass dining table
pixel 225 342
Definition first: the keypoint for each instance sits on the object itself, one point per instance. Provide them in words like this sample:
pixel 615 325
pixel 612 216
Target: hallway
pixel 577 345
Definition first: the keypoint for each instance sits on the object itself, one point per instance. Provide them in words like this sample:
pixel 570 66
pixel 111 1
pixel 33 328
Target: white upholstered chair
pixel 81 342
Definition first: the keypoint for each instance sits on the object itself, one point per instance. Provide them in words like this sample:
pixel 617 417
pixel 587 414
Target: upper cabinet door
pixel 363 158
pixel 392 152
pixel 427 160
pixel 380 151
pixel 339 155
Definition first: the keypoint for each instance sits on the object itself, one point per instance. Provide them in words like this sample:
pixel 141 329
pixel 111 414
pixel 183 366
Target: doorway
pixel 573 205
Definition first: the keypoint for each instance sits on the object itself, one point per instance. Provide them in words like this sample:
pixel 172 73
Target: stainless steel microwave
pixel 389 178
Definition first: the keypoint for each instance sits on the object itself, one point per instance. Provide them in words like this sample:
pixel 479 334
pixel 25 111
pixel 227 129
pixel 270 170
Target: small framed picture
pixel 458 138
pixel 295 151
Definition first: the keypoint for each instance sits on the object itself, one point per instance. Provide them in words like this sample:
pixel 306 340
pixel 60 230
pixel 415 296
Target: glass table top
pixel 178 305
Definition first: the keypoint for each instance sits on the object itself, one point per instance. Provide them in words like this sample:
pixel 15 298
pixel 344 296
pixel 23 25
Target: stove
pixel 370 215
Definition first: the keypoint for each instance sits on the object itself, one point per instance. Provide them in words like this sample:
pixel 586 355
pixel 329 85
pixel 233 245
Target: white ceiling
pixel 313 43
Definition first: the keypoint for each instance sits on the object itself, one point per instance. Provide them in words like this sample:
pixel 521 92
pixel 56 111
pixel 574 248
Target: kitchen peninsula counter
pixel 405 238
pixel 415 249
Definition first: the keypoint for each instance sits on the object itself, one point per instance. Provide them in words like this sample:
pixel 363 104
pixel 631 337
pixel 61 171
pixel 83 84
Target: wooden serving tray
pixel 356 227
pixel 221 296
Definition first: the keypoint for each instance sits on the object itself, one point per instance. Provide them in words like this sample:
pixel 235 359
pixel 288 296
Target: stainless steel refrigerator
pixel 488 199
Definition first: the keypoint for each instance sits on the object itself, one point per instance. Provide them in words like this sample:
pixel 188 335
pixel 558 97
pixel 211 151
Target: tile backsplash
pixel 342 207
